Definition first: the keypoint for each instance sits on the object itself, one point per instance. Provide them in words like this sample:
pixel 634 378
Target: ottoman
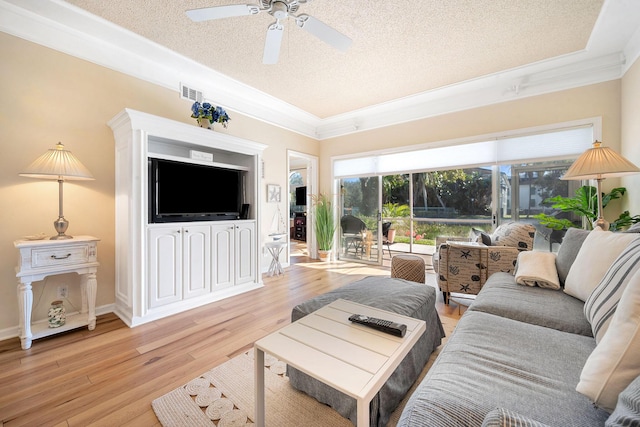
pixel 391 294
pixel 408 267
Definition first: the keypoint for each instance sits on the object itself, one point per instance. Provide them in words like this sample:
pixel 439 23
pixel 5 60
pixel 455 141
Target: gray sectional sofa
pixel 519 352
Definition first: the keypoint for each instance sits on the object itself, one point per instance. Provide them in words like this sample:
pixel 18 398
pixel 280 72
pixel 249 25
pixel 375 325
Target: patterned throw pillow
pixel 515 234
pixel 602 302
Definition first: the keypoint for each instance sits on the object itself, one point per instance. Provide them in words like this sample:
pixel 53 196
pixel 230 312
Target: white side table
pixel 42 258
pixel 275 249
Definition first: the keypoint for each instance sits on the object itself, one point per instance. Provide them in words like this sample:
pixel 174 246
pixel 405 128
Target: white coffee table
pixel 351 358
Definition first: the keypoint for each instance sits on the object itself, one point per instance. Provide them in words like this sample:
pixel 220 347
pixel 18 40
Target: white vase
pixel 324 255
pixel 204 123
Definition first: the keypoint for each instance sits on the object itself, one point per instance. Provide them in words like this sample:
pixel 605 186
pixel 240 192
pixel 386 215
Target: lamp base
pixel 61 226
pixel 602 223
pixel 60 237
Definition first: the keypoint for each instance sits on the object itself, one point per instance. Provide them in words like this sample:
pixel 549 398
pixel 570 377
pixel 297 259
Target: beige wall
pixel 630 125
pixel 48 97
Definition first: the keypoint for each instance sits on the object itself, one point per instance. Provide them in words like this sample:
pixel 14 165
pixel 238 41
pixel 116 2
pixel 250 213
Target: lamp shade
pixel 57 163
pixel 600 162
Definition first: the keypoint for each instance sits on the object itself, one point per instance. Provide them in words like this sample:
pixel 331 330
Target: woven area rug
pixel 224 397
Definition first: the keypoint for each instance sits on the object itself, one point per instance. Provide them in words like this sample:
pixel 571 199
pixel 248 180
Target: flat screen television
pixel 181 191
pixel 301 196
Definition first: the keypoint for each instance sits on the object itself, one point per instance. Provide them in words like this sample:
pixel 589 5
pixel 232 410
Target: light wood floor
pixel 109 376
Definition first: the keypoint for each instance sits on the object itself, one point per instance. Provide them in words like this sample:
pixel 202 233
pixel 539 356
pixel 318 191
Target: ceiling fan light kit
pixel 281 10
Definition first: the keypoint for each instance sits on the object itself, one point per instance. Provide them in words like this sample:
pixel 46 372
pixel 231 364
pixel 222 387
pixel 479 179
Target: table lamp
pixel 599 163
pixel 61 165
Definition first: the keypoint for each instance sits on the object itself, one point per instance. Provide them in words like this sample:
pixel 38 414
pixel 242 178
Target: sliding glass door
pixel 445 190
pixel 524 187
pixel 358 226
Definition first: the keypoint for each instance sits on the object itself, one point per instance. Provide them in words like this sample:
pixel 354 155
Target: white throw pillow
pixel 615 362
pixel 596 255
pixel 602 303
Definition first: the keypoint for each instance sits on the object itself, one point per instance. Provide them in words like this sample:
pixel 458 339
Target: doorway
pixel 303 182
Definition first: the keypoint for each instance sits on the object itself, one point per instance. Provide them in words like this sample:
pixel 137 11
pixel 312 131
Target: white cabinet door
pixel 165 266
pixel 245 253
pixel 223 250
pixel 196 255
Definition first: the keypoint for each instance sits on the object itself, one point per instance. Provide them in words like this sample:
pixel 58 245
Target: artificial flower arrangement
pixel 209 112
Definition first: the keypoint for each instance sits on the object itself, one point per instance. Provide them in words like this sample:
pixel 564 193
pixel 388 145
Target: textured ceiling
pixel 400 47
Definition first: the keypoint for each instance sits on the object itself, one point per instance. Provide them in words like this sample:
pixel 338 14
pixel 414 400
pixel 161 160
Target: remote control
pixel 387 326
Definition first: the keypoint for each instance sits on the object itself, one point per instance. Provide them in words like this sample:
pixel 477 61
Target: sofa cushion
pixel 501 417
pixel 502 296
pixel 602 302
pixel 515 234
pixel 592 262
pixel 569 248
pixel 615 363
pixel 627 412
pixel 490 361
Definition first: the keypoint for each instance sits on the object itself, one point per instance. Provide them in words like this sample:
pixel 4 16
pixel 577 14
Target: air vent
pixel 187 92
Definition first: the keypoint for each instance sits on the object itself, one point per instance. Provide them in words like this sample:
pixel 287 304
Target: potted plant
pixel 325 226
pixel 207 114
pixel 393 211
pixel 584 203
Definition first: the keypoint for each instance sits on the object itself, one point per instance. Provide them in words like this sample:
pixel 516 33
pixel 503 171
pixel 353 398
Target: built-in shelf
pixel 163 269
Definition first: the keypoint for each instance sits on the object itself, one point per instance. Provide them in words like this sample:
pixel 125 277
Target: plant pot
pixel 391 234
pixel 204 123
pixel 324 255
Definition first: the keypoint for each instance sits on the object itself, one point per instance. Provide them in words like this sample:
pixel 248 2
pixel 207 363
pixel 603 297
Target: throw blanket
pixel 537 269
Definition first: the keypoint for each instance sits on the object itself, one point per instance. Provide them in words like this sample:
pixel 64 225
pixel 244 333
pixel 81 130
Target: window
pixel 480 184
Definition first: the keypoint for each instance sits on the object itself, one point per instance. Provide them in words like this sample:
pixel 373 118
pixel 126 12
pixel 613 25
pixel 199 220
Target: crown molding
pixel 614 45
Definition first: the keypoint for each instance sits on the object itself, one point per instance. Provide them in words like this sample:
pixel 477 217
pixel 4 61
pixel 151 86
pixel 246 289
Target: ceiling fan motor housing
pixel 279 9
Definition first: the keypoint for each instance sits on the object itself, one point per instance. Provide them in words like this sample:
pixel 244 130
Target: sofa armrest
pixel 501 417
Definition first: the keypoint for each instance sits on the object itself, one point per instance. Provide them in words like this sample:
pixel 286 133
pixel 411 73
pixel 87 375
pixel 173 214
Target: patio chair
pixel 353 229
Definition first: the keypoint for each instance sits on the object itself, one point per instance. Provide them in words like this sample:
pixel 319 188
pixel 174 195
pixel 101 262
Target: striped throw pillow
pixel 602 303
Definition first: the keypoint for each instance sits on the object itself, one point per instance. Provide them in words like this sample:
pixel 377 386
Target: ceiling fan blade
pixel 272 43
pixel 324 32
pixel 219 12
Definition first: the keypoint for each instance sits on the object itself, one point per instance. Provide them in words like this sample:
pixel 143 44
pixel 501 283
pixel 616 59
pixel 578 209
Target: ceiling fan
pixel 279 9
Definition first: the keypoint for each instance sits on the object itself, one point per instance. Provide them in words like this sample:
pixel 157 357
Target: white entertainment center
pixel 165 268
